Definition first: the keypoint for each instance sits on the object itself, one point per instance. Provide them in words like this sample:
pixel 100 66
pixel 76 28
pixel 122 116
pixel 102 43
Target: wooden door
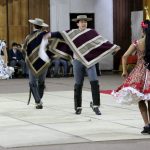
pixel 122 25
pixel 3 20
pixel 39 9
pixel 146 3
pixel 14 16
pixel 18 26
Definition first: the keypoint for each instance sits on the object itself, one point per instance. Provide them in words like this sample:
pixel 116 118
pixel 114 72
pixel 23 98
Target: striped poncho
pixel 88 46
pixel 31 48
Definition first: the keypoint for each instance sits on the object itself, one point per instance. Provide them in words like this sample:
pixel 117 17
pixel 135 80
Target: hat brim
pixel 86 19
pixel 34 22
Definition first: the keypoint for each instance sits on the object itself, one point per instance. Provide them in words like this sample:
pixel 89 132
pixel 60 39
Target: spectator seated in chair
pixel 16 59
pixel 58 63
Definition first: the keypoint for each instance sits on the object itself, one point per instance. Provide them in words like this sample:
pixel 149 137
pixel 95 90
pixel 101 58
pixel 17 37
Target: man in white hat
pixel 82 17
pixel 79 72
pixel 34 63
pixel 88 47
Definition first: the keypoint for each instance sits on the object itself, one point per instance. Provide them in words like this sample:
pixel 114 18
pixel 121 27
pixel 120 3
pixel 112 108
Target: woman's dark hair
pixel 147 44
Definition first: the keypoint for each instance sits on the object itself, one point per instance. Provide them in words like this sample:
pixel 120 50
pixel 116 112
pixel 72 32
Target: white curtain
pixel 136 19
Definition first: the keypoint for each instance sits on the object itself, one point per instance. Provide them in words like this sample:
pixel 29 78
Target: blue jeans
pixel 36 80
pixel 37 85
pixel 57 63
pixel 79 71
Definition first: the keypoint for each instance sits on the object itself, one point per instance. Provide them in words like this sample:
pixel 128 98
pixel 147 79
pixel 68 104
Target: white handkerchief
pixel 42 50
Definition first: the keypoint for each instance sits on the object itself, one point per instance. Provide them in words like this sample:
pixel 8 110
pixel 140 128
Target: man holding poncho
pixel 86 47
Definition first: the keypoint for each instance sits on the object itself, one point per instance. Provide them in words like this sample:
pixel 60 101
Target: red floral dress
pixel 136 87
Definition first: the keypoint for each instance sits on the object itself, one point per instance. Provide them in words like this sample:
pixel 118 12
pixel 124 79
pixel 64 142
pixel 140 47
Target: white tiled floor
pixel 22 125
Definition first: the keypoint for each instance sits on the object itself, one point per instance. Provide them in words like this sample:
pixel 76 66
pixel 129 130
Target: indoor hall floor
pixel 56 127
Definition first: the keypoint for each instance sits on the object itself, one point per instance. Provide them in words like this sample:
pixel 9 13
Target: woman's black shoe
pixel 146 130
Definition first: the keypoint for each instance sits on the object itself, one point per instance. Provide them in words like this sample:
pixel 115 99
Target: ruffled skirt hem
pixel 6 73
pixel 129 95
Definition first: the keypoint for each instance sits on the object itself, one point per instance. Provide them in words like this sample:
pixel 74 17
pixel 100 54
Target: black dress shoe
pixel 39 106
pixel 95 109
pixel 78 111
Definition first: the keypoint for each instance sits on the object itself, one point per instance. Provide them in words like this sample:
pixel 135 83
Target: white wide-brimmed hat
pixel 39 22
pixel 81 17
